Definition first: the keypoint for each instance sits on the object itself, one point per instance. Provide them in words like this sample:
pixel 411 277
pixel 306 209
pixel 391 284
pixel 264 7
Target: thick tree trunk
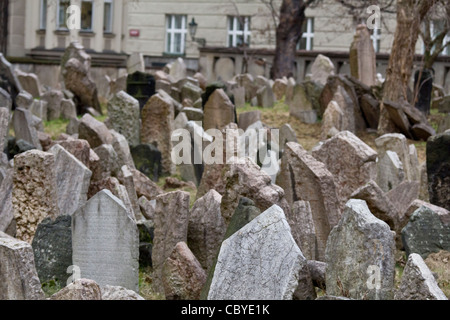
pixel 410 14
pixel 289 31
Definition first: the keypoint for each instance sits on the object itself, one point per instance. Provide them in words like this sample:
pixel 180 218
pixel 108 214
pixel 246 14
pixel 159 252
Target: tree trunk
pixel 410 14
pixel 289 31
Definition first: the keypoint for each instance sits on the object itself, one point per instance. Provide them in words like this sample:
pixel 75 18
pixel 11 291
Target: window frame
pixel 234 32
pixel 91 29
pixel 308 35
pixel 43 15
pixel 58 16
pixel 375 36
pixel 110 27
pixel 173 31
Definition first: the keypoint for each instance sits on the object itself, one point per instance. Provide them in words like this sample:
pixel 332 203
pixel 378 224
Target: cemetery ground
pixel 308 136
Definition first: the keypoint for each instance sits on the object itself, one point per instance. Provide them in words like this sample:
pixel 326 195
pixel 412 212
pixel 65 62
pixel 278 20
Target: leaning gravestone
pixel 5 99
pixel 427 231
pixel 24 129
pixel 438 169
pixel 171 226
pixel 75 69
pixel 124 116
pixel 418 282
pixel 157 126
pixel 390 171
pixel 300 107
pixel 53 99
pixel 30 83
pixel 303 229
pixel 332 119
pixel 218 111
pixel 350 161
pixel 321 69
pixel 302 177
pixel 105 242
pixel 34 192
pixel 72 179
pixel 8 80
pixel 140 86
pixel 265 242
pixel 135 63
pixel 360 255
pixel 18 277
pixel 94 131
pixel 52 247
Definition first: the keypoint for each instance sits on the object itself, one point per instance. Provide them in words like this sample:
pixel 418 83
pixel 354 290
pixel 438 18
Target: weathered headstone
pixel 418 282
pixel 105 242
pixel 117 293
pixel 5 99
pixel 287 134
pixel 206 228
pixel 332 118
pixel 72 180
pixel 8 79
pixel 7 222
pixel 144 186
pixel 182 275
pixel 29 82
pixel 124 115
pixel 34 194
pixel 171 226
pixel 423 85
pixel 266 242
pixel 300 106
pixel 191 91
pixel 363 57
pixel 390 171
pixel 265 96
pixel 248 118
pixel 52 247
pixel 4 126
pixel 79 148
pixel 157 126
pixel 122 149
pixel 279 88
pixel 75 70
pixel 218 111
pixel 302 177
pixel 239 97
pixel 141 86
pixel 321 69
pixel 178 70
pixel 80 289
pixel 94 131
pixel 370 107
pixel 135 63
pixel 24 100
pixel 125 177
pixel 24 129
pixel 147 159
pixel 18 276
pixel 360 255
pixel 427 231
pixel 438 168
pixel 350 161
pixel 303 229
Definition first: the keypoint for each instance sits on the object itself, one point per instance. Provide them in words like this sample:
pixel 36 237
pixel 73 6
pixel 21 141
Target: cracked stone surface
pixel 360 255
pixel 124 116
pixel 418 283
pixel 81 289
pixel 261 261
pixel 18 276
pixel 302 228
pixel 119 293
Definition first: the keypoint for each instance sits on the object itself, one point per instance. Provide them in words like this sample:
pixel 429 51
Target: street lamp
pixel 193 30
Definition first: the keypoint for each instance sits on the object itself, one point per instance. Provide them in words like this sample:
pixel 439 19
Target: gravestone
pixel 300 107
pixel 125 177
pixel 438 168
pixel 206 228
pixel 321 69
pixel 418 282
pixel 34 194
pixel 423 87
pixel 52 247
pixel 5 99
pixel 94 131
pixel 4 127
pixel 116 293
pixel 7 221
pixel 105 242
pixel 191 91
pixel 108 164
pixel 427 231
pixel 72 180
pixel 140 86
pixel 360 254
pixel 218 111
pixel 79 148
pixel 135 63
pixel 265 96
pixel 303 229
pixel 182 275
pixel 239 97
pixel 332 118
pixel 248 118
pixel 53 99
pixel 24 129
pixel 24 100
pixel 18 276
pixel 302 177
pixel 39 109
pixel 279 88
pixel 75 70
pixel 224 69
pixel 8 79
pixel 247 81
pixel 157 126
pixel 80 289
pixel 124 116
pixel 171 226
pixel 349 160
pixel 29 82
pixel 287 134
pixel 178 70
pixel 363 57
pixel 266 242
pixel 390 171
pixel 370 107
pixel 144 186
pixel 122 149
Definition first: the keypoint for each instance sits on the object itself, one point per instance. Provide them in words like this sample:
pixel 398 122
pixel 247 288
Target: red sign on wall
pixel 134 33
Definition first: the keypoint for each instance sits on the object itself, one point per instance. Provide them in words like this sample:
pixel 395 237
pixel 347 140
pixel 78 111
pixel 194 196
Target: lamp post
pixel 193 30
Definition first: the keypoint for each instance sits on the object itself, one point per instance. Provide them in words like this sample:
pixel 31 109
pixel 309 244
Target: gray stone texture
pixel 124 115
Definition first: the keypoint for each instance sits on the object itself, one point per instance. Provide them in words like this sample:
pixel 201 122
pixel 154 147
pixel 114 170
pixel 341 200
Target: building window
pixel 436 27
pixel 175 33
pixel 307 40
pixel 238 31
pixel 62 14
pixel 376 39
pixel 43 15
pixel 107 22
pixel 86 15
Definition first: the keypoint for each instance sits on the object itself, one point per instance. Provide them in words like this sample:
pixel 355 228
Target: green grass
pixel 145 285
pixel 55 127
pixel 51 287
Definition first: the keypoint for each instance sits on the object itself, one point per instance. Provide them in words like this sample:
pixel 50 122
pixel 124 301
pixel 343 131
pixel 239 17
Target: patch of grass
pixel 146 285
pixel 51 287
pixel 55 127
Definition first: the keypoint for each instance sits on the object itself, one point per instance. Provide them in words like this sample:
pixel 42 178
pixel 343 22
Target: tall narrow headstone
pixel 105 242
pixel 218 111
pixel 362 56
pixel 124 116
pixel 24 129
pixel 35 191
